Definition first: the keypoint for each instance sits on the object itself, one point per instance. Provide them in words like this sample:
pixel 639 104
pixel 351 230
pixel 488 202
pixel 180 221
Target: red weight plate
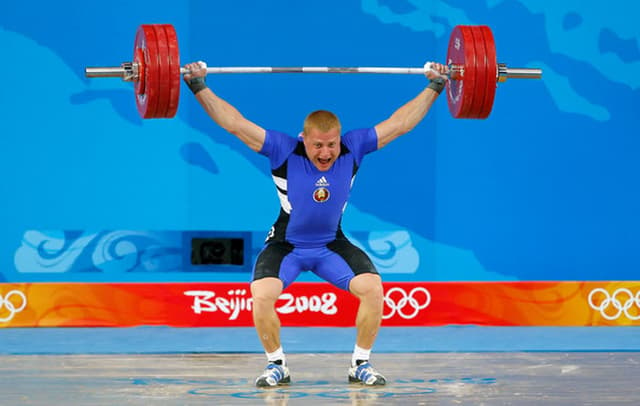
pixel 146 42
pixel 164 67
pixel 455 56
pixel 472 74
pixel 139 56
pixel 461 52
pixel 174 72
pixel 492 71
pixel 475 108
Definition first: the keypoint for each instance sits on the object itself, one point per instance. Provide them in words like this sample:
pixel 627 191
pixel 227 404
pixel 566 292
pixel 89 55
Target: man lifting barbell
pixel 313 176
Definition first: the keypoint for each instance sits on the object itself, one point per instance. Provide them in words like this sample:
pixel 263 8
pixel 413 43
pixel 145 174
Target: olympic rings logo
pixel 6 302
pixel 612 306
pixel 406 306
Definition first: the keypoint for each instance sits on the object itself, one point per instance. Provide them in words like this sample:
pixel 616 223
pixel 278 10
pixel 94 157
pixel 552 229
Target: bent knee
pixel 367 286
pixel 266 291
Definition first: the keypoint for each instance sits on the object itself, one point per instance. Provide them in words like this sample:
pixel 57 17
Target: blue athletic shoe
pixel 366 374
pixel 273 375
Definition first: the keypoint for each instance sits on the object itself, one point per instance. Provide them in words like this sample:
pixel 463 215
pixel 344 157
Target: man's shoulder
pixel 361 139
pixel 359 134
pixel 278 141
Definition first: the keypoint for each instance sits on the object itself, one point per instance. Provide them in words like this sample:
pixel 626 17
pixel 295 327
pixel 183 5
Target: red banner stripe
pixel 610 303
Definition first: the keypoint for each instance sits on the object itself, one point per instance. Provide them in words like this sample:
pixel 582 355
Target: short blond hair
pixel 323 120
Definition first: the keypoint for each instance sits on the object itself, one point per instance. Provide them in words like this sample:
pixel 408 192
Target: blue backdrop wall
pixel 545 189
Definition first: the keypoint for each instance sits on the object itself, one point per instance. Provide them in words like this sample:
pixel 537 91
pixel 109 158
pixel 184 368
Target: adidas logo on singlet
pixel 322 182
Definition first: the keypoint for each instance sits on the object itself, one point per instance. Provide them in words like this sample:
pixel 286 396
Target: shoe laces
pixel 365 372
pixel 275 371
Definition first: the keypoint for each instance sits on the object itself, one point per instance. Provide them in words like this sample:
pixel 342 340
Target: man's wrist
pixel 197 84
pixel 437 84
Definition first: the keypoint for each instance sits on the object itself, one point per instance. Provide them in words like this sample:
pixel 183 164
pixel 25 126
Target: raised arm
pixel 410 114
pixel 223 113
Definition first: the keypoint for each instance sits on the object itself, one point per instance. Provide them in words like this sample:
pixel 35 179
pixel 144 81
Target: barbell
pixel 473 71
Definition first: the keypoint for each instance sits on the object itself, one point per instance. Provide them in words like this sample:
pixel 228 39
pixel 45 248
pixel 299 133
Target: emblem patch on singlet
pixel 321 194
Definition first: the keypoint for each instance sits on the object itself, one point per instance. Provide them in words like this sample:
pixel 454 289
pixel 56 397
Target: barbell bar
pixel 473 71
pixel 124 72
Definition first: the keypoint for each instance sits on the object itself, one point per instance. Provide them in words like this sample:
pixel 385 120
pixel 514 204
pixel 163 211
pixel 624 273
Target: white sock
pixel 360 354
pixel 276 355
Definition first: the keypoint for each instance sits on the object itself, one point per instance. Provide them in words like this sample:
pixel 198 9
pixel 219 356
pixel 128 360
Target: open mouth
pixel 324 161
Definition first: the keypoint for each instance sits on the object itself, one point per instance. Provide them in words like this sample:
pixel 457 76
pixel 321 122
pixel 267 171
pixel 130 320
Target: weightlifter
pixel 313 175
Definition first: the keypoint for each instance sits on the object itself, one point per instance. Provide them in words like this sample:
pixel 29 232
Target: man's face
pixel 322 147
